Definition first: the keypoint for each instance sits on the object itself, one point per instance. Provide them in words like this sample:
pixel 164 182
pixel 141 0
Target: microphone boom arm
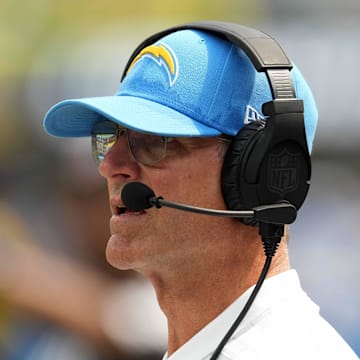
pixel 281 213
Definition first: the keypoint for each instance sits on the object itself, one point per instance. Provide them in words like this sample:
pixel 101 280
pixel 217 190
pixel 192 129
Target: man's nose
pixel 119 161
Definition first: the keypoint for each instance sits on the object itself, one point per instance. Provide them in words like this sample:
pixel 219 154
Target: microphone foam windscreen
pixel 136 196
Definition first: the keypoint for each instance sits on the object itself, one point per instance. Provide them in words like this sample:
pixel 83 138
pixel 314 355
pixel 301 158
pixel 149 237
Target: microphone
pixel 138 196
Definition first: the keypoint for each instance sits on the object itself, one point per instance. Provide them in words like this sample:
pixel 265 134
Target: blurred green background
pixel 51 50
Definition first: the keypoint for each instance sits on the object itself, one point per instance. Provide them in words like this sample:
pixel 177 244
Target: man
pixel 183 97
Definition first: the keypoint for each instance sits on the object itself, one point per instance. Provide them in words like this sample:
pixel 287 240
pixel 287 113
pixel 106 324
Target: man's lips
pixel 123 218
pixel 122 210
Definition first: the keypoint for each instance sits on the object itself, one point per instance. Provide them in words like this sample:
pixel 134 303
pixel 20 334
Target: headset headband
pixel 264 52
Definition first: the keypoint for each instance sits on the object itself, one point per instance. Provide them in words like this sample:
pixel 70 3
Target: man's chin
pixel 116 254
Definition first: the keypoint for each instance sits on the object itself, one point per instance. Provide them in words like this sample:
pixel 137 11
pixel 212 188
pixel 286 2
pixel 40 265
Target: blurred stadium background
pixel 51 50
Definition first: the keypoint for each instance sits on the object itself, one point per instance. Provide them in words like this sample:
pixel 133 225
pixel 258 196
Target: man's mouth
pixel 121 210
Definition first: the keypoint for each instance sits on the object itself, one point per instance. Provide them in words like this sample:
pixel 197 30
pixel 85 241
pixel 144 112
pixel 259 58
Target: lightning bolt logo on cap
pixel 163 56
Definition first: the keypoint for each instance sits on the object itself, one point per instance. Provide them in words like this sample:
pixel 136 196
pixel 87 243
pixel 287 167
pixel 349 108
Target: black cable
pixel 244 311
pixel 271 236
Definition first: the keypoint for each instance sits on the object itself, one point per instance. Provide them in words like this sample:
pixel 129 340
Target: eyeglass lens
pixel 146 149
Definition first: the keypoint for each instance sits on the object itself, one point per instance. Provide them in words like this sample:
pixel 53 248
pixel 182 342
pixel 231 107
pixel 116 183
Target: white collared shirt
pixel 282 324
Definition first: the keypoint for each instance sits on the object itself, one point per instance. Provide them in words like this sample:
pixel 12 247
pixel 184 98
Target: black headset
pixel 267 161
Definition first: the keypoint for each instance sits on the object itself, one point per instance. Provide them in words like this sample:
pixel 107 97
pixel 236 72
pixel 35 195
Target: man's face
pixel 156 238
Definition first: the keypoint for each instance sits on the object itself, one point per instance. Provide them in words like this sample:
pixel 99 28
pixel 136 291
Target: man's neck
pixel 193 296
pixel 195 287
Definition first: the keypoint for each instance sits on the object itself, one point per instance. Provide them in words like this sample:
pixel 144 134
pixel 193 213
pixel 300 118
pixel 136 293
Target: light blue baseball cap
pixel 189 83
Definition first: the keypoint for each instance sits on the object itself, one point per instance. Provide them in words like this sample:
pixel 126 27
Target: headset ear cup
pixel 234 165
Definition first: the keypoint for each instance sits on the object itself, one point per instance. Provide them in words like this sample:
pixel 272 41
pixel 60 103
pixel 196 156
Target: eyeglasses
pixel 146 149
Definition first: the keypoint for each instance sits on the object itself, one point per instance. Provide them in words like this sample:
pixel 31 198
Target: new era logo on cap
pixel 251 115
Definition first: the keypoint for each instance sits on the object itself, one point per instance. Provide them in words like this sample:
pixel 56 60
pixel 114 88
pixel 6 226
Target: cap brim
pixel 75 118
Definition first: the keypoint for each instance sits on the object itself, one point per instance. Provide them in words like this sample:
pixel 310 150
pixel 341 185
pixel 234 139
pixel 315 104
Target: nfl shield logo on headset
pixel 283 172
